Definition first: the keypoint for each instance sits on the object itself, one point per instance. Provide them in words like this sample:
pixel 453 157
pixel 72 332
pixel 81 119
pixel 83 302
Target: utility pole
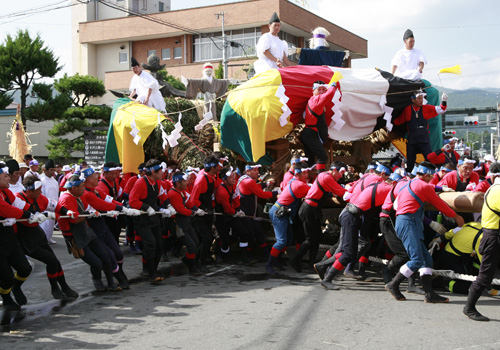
pixel 224 44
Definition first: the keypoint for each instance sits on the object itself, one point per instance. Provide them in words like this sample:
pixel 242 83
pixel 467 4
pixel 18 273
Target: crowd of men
pixel 204 213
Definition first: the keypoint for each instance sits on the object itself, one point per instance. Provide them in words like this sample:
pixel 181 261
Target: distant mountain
pixel 471 98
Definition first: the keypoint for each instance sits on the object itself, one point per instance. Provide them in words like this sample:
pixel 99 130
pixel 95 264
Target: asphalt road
pixel 237 307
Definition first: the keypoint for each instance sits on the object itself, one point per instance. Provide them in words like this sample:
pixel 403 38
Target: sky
pixel 449 32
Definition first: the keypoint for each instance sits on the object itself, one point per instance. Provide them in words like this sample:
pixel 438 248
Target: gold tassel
pixel 19 140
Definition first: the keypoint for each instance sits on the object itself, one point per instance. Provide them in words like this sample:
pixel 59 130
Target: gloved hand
pixel 131 212
pixel 239 214
pixel 51 215
pixel 9 222
pixel 71 214
pixel 439 228
pixel 113 213
pixel 165 213
pixel 435 241
pixel 257 218
pixel 201 212
pixel 446 148
pixel 444 96
pixel 37 217
pixel 151 211
pixel 93 214
pixel 447 189
pixel 172 210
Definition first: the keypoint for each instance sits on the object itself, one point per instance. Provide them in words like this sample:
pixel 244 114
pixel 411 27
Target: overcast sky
pixel 449 32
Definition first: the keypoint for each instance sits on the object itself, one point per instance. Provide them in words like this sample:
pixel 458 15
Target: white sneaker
pixel 51 241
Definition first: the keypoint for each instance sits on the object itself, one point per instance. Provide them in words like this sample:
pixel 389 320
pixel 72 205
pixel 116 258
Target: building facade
pixel 108 32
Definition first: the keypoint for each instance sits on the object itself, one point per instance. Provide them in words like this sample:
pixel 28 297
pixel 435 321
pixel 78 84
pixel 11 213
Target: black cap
pixel 274 18
pixel 13 165
pixel 133 62
pixel 50 164
pixel 408 34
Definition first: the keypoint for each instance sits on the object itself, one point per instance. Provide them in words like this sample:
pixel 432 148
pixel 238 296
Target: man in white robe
pixel 50 189
pixel 271 50
pixel 408 63
pixel 146 87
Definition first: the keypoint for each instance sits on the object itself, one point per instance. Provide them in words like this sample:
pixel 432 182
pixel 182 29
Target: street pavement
pixel 237 307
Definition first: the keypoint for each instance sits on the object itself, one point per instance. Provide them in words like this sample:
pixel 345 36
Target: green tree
pixel 24 60
pixel 176 83
pixel 71 112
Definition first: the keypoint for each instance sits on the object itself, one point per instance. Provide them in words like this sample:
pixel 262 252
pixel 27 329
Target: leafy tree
pixel 81 88
pixel 175 82
pixel 71 112
pixel 24 60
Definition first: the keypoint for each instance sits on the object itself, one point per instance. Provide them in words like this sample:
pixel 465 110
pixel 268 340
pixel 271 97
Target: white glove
pixel 151 211
pixel 444 96
pixel 435 241
pixel 51 215
pixel 172 210
pixel 131 212
pixel 71 214
pixel 447 147
pixel 239 214
pixel 447 189
pixel 93 214
pixel 439 228
pixel 165 213
pixel 200 212
pixel 9 222
pixel 37 217
pixel 257 218
pixel 113 213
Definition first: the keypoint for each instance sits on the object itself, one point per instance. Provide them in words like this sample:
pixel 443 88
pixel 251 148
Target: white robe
pixel 407 62
pixel 50 189
pixel 277 47
pixel 18 187
pixel 141 84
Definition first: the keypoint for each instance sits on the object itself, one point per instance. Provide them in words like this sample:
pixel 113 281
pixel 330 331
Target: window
pixel 177 52
pixel 165 54
pixel 123 57
pixel 209 46
pixel 160 6
pixel 291 40
pixel 151 52
pixel 144 5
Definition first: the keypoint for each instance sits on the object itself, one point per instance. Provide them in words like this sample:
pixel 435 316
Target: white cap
pixel 22 165
pixel 489 157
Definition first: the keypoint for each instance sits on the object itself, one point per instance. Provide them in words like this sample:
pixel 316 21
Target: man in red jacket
pixel 227 203
pixel 185 210
pixel 409 207
pixel 11 253
pixel 34 241
pixel 145 196
pixel 323 187
pixel 416 115
pixel 317 120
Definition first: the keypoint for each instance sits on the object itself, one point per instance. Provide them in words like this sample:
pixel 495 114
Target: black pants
pixel 489 248
pixel 350 226
pixel 46 255
pixel 108 241
pixel 459 265
pixel 151 240
pixel 130 230
pixel 115 226
pixel 311 223
pixel 394 244
pixel 412 149
pixel 186 234
pixel 255 232
pixel 96 256
pixel 12 257
pixel 313 147
pixel 203 227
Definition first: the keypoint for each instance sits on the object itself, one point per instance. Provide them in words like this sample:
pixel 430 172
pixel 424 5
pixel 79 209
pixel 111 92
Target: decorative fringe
pixel 20 143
